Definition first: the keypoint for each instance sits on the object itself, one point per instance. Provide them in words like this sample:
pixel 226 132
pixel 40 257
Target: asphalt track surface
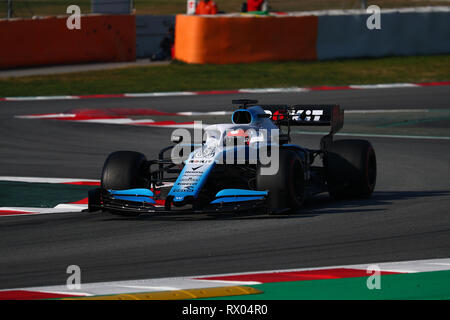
pixel 407 218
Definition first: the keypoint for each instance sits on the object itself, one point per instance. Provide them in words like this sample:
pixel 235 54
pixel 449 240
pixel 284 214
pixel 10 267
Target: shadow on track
pixel 318 206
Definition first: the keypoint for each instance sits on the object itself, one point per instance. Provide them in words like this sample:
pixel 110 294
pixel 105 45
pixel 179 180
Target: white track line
pixel 45 180
pixel 60 208
pixel 47 116
pixel 384 86
pixel 370 135
pixel 159 94
pixel 41 98
pixel 208 113
pixel 363 111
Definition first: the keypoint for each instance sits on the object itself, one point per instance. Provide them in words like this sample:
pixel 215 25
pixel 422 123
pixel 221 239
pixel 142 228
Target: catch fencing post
pixel 363 4
pixel 10 9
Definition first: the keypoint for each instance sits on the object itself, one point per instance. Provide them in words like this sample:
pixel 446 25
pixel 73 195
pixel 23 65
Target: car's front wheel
pixel 287 186
pixel 124 170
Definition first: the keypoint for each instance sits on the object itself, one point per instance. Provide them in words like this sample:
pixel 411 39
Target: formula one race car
pixel 246 165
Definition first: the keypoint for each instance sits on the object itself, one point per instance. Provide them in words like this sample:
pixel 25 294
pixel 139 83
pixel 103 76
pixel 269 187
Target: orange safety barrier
pixel 48 41
pixel 222 40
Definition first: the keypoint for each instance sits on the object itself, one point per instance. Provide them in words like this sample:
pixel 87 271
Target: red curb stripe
pixel 321 274
pixel 14 212
pixel 161 123
pixel 442 83
pixel 83 183
pixel 30 295
pixel 82 201
pixel 327 88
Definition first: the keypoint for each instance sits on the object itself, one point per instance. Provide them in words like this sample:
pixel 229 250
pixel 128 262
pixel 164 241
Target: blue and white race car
pixel 246 165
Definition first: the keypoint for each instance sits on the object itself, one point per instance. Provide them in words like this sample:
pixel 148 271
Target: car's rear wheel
pixel 286 187
pixel 124 170
pixel 351 168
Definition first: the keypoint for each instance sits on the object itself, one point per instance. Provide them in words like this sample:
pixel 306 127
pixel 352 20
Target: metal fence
pixel 112 6
pixel 30 8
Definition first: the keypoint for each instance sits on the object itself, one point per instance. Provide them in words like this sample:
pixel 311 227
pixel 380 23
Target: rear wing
pixel 302 115
pixel 307 115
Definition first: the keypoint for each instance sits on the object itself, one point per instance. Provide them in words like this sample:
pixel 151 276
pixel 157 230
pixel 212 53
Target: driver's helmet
pixel 237 137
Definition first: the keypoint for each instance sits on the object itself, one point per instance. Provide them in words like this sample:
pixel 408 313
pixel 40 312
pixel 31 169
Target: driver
pixel 237 137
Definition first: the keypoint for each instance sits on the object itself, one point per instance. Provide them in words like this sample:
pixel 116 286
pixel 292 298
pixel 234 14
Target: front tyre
pixel 124 170
pixel 286 187
pixel 351 168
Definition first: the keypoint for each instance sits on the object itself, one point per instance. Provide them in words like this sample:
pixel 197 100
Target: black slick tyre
pixel 124 170
pixel 351 169
pixel 286 187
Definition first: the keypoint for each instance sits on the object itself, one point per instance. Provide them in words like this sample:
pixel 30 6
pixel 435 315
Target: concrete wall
pixel 228 39
pixel 401 33
pixel 318 35
pixel 48 41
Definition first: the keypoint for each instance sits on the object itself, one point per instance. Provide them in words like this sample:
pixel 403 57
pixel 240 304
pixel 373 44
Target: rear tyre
pixel 286 187
pixel 124 170
pixel 351 168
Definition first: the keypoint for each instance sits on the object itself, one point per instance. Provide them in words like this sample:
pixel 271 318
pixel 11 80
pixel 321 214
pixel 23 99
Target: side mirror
pixel 176 139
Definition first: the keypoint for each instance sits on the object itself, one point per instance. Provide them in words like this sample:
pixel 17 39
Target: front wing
pixel 227 201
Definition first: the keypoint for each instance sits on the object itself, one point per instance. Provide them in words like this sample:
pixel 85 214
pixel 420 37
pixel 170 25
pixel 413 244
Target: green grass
pixel 29 8
pixel 411 286
pixel 180 77
pixel 44 195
